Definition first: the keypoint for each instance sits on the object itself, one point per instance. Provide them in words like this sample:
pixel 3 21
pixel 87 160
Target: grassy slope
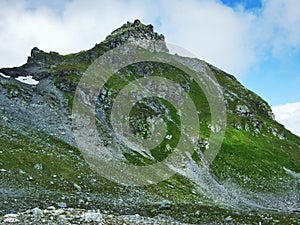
pixel 255 160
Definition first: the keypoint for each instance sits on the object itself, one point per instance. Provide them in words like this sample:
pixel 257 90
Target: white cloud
pixel 79 26
pixel 277 27
pixel 289 116
pixel 232 39
pixel 214 32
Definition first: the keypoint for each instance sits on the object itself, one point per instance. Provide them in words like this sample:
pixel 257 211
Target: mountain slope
pixel 257 167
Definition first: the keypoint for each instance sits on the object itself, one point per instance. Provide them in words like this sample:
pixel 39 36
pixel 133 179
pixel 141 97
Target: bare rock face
pixel 138 34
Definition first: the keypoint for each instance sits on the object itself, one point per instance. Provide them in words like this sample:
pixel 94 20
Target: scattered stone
pixel 58 212
pixel 81 201
pixel 171 186
pixel 247 128
pixel 165 206
pixel 38 166
pixel 91 216
pixel 168 147
pixel 51 208
pixel 242 110
pixel 61 217
pixel 237 126
pixel 197 213
pixel 11 220
pixel 21 171
pixel 194 192
pixel 37 211
pixel 214 128
pixel 228 218
pixel 62 205
pixel 3 170
pixel 77 187
pixel 169 137
pixel 281 136
pixel 11 215
pixel 30 178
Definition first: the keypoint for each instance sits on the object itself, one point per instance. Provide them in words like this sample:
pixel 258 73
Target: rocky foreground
pixel 51 215
pixel 68 216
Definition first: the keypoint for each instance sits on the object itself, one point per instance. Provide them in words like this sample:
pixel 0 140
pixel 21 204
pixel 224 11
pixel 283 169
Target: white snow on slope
pixel 289 116
pixel 5 76
pixel 27 80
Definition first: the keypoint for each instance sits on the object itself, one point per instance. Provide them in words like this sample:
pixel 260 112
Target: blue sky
pixel 248 4
pixel 275 78
pixel 257 41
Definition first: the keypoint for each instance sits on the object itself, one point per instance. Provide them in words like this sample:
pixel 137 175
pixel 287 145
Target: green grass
pixel 20 152
pixel 254 163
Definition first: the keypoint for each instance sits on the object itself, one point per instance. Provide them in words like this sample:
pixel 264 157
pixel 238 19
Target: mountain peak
pixel 137 25
pixel 137 33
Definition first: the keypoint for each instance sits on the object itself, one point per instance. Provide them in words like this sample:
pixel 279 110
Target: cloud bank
pixel 289 115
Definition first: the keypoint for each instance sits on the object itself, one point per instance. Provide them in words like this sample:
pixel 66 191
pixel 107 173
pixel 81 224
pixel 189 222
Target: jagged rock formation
pixel 137 33
pixel 256 168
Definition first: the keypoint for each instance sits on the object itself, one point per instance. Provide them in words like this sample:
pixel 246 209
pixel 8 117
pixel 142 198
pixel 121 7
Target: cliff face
pixel 257 166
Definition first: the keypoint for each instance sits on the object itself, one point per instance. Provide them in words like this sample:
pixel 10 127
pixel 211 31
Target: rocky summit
pixel 46 178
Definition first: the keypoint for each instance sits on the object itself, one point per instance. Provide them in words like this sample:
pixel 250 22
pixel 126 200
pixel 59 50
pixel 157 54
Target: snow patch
pixel 5 76
pixel 27 80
